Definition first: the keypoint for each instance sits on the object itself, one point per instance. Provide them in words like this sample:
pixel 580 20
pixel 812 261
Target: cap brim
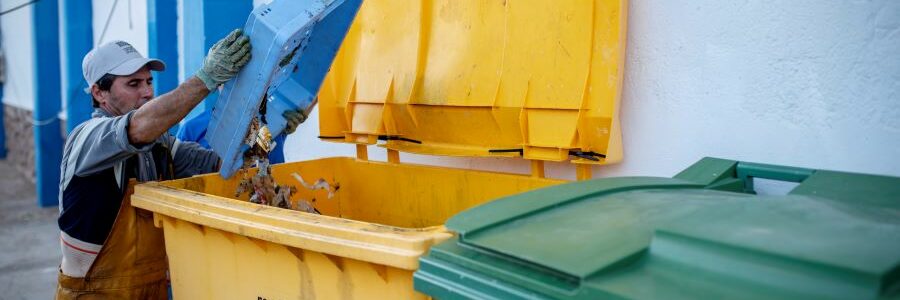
pixel 133 65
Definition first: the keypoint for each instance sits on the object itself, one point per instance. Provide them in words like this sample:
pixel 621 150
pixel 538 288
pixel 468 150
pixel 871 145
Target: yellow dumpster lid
pixel 537 79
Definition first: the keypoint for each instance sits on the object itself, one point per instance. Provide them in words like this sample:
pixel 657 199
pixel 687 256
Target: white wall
pixel 127 22
pixel 805 83
pixel 18 90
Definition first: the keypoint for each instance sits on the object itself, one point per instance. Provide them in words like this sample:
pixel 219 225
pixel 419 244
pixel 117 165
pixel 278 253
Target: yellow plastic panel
pixel 232 266
pixel 551 127
pixel 547 53
pixel 481 78
pixel 463 59
pixel 388 49
pixel 365 244
pixel 600 126
pixel 333 115
pixel 367 118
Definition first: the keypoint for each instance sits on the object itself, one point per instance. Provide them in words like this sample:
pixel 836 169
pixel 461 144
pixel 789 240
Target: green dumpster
pixel 703 234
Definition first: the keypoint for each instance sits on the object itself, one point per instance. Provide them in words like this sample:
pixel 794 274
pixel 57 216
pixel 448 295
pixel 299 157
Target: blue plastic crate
pixel 294 43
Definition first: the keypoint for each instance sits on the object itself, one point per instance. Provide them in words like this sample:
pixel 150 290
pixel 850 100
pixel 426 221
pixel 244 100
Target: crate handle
pixel 746 171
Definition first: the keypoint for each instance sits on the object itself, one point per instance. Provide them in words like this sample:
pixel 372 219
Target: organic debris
pixel 320 184
pixel 262 187
pixel 264 139
pixel 264 190
pixel 303 205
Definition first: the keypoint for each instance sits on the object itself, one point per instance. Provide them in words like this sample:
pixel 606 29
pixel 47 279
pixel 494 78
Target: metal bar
pixel 47 132
pixel 77 41
pixel 2 125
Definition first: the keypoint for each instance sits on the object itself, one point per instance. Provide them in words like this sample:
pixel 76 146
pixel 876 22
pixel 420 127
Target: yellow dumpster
pixel 538 80
pixel 365 245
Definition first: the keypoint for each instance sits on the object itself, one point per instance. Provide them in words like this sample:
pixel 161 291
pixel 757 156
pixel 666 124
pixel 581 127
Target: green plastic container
pixel 701 235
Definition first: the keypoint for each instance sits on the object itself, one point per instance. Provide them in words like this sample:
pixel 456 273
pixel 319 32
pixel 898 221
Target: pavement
pixel 29 251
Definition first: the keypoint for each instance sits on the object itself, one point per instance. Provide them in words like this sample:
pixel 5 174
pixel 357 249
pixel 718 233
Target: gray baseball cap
pixel 117 58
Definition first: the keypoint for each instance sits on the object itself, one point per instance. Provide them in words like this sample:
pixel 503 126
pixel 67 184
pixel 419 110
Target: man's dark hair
pixel 104 83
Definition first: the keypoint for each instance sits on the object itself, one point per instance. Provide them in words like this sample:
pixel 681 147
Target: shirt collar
pixel 100 113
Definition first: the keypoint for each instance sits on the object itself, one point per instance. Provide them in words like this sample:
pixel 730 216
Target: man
pixel 110 249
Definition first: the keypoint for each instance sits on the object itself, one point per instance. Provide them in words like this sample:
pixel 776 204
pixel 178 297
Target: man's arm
pixel 97 144
pixel 192 159
pixel 224 61
pixel 158 115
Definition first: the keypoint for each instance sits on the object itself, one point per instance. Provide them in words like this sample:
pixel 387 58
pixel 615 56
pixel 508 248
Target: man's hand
pixel 294 118
pixel 223 62
pixel 225 59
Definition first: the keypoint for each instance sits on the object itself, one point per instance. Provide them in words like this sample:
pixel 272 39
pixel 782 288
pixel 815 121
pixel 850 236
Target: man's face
pixel 127 93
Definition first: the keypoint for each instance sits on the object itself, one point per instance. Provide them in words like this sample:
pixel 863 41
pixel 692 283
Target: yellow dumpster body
pixel 365 245
pixel 535 80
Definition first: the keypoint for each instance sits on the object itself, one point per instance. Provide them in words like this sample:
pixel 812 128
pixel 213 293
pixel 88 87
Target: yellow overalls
pixel 131 264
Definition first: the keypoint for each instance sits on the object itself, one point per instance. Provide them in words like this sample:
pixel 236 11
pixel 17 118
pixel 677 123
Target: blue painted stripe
pixel 162 24
pixel 193 39
pixel 220 18
pixel 47 132
pixel 78 39
pixel 163 41
pixel 203 30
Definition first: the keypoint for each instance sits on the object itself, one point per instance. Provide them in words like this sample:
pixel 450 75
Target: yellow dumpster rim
pixel 380 244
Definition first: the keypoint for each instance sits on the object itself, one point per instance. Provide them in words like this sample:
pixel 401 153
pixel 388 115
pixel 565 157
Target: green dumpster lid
pixel 703 234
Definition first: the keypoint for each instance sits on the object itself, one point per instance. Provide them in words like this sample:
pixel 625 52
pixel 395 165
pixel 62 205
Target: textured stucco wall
pixel 19 139
pixel 807 83
pixel 18 89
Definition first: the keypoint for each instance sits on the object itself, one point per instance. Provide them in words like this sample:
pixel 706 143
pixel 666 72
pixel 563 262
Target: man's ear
pixel 98 94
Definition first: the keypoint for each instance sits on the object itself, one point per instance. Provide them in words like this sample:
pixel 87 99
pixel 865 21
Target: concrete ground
pixel 29 251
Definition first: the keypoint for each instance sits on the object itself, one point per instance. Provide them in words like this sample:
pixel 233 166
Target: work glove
pixel 294 118
pixel 225 59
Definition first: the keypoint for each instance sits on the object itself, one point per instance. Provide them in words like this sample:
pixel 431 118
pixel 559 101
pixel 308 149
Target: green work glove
pixel 225 59
pixel 294 118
